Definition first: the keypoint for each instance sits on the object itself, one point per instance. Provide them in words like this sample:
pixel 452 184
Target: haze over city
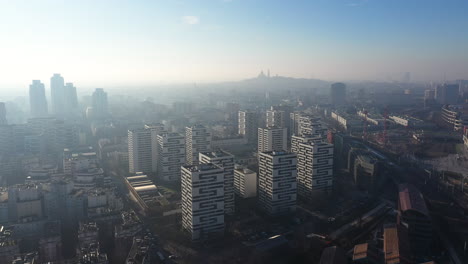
pixel 233 132
pixel 111 43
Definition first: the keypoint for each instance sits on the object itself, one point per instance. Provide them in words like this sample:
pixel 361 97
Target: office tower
pixel 3 120
pixel 225 161
pixel 37 99
pixel 314 168
pixel 203 200
pixel 99 103
pixel 338 94
pixel 197 139
pixel 248 125
pixel 71 100
pixel 277 185
pixel 272 139
pixel 140 150
pixel 245 182
pixel 155 130
pixel 57 94
pixel 413 217
pixel 171 156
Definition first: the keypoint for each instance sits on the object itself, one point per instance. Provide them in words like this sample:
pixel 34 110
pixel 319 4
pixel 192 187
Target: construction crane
pixel 383 136
pixel 364 132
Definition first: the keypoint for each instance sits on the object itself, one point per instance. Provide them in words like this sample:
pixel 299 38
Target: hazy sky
pixel 111 42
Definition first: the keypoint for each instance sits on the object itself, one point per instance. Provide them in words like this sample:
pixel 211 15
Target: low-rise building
pixel 144 191
pixel 245 182
pixel 348 122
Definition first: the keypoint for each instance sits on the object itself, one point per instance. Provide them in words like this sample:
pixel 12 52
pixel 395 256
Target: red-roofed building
pixel 413 216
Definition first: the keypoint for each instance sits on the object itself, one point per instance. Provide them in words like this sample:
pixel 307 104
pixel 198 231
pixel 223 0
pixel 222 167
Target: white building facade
pixel 203 200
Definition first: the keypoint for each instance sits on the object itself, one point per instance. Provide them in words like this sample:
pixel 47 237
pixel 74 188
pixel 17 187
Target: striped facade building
pixel 203 200
pixel 226 161
pixel 171 156
pixel 277 185
pixel 197 139
pixel 314 168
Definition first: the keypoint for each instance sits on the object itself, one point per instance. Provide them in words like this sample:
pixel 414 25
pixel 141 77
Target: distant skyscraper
pixel 71 100
pixel 37 99
pixel 248 125
pixel 100 104
pixel 277 185
pixel 225 161
pixel 272 139
pixel 171 156
pixel 203 200
pixel 198 139
pixel 3 120
pixel 140 150
pixel 57 94
pixel 338 94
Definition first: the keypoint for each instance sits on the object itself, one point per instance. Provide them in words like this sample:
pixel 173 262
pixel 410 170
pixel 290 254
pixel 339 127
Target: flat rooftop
pixel 216 154
pixel 201 167
pixel 360 251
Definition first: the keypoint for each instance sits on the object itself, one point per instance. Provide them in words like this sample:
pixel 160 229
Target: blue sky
pixel 108 43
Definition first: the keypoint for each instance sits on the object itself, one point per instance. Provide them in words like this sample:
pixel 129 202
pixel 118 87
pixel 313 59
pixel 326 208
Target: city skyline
pixel 106 44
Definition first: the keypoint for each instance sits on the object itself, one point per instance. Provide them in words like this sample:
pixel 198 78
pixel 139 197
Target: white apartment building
pixel 226 161
pixel 245 182
pixel 171 156
pixel 197 139
pixel 314 168
pixel 140 150
pixel 203 200
pixel 272 139
pixel 277 187
pixel 155 130
pixel 248 125
pixel 276 118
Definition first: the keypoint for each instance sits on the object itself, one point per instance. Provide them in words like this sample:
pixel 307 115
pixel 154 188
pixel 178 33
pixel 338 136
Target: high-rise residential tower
pixel 197 139
pixel 37 99
pixel 248 125
pixel 203 200
pixel 171 156
pixel 226 162
pixel 277 185
pixel 155 130
pixel 314 168
pixel 140 150
pixel 57 94
pixel 272 139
